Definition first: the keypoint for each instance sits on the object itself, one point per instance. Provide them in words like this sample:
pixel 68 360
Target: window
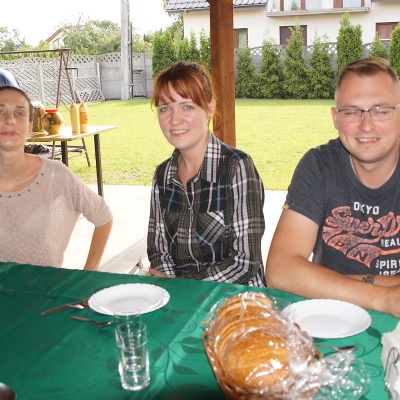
pixel 240 38
pixel 285 33
pixel 348 3
pixel 292 5
pixel 319 4
pixel 385 29
pixel 351 3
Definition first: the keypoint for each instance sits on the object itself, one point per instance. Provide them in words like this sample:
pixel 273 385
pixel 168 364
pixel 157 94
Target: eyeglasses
pixel 375 113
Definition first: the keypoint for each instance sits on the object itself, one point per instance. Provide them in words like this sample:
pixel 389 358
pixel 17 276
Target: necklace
pixel 6 195
pixel 352 166
pixel 370 179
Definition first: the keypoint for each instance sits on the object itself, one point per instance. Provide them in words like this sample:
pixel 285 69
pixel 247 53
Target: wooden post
pixel 222 68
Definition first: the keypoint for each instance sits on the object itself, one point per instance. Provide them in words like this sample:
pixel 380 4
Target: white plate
pixel 130 296
pixel 328 319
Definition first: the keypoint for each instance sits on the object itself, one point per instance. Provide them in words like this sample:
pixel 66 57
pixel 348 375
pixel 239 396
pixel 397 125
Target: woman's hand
pixel 153 272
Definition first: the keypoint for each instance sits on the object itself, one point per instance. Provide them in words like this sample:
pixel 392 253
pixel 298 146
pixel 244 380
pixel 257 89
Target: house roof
pixel 56 35
pixel 191 5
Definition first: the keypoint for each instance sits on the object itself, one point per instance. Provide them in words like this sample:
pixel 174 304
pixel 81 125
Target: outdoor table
pixel 65 136
pixel 56 357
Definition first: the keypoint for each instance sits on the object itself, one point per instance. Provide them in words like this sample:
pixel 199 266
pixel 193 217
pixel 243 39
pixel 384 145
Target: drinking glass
pixel 133 357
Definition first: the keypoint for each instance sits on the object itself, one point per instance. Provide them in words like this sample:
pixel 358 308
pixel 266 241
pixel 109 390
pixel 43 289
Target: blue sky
pixel 38 19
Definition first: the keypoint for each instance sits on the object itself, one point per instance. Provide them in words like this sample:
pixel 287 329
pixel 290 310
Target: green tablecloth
pixel 55 357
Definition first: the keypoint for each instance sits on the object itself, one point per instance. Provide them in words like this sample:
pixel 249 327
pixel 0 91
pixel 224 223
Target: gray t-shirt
pixel 359 227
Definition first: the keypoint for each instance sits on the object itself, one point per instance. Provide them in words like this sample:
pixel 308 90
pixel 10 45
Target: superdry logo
pixel 359 240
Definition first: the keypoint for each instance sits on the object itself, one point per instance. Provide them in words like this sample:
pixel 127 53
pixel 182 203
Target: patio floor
pixel 127 244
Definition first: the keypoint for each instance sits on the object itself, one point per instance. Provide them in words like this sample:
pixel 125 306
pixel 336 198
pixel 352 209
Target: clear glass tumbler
pixel 131 339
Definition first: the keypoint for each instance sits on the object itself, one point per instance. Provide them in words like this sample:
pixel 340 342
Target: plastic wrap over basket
pixel 256 352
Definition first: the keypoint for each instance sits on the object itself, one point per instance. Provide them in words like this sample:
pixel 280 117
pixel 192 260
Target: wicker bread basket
pixel 245 339
pixel 231 390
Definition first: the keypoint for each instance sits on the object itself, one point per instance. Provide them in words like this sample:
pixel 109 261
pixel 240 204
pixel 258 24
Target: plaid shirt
pixel 213 229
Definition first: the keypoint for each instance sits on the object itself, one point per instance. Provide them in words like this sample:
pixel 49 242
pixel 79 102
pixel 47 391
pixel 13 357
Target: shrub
pixel 163 51
pixel 378 49
pixel 321 73
pixel 271 71
pixel 394 49
pixel 295 72
pixel 349 42
pixel 194 53
pixel 205 49
pixel 246 83
pixel 183 50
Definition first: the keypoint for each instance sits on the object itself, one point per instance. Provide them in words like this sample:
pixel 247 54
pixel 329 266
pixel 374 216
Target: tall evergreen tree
pixel 157 53
pixel 246 83
pixel 295 72
pixel 378 49
pixel 194 53
pixel 183 50
pixel 349 42
pixel 321 74
pixel 394 49
pixel 271 71
pixel 205 49
pixel 163 51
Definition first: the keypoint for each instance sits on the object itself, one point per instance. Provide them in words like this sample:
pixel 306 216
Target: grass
pixel 276 133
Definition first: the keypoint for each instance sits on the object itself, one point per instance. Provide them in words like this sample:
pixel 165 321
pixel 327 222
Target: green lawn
pixel 276 133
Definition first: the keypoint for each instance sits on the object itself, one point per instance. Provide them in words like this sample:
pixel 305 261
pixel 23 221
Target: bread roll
pixel 257 347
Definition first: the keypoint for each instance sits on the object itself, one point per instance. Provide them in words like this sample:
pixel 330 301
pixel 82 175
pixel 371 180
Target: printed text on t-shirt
pixel 362 240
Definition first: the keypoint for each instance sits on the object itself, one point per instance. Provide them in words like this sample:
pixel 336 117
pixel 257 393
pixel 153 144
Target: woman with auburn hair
pixel 206 218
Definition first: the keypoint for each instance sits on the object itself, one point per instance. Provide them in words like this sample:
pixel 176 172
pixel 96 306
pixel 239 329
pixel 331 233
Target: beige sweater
pixel 36 223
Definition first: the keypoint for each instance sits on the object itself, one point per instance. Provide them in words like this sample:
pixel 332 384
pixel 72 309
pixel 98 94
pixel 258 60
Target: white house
pixel 56 39
pixel 255 20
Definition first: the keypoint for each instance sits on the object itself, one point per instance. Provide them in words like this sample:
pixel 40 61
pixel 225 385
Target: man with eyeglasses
pixel 343 204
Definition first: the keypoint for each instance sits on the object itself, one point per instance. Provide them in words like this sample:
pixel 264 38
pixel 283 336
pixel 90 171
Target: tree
pixel 205 49
pixel 10 40
pixel 43 45
pixel 321 74
pixel 295 84
pixel 176 31
pixel 92 37
pixel 271 71
pixel 349 42
pixel 394 49
pixel 378 49
pixel 157 61
pixel 246 83
pixel 194 53
pixel 163 51
pixel 183 50
pixel 141 44
pixel 178 20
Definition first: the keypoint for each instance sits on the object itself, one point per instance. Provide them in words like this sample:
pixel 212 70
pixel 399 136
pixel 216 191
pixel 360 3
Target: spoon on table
pixel 348 349
pixel 78 306
pixel 92 321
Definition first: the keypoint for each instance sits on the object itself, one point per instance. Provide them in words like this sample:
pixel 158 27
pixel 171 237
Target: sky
pixel 38 19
